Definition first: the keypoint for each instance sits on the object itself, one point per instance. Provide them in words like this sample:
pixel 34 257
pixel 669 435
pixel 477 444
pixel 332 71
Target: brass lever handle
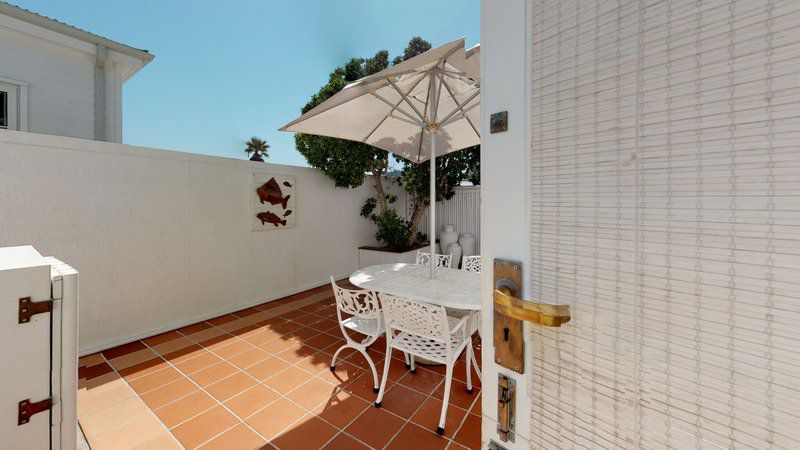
pixel 539 313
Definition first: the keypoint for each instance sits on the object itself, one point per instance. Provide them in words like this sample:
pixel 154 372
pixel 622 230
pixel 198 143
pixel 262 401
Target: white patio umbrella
pixel 424 106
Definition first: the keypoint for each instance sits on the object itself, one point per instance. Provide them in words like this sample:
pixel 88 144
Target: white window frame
pixel 17 103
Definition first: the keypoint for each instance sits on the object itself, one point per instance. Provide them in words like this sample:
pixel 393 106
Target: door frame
pixel 505 192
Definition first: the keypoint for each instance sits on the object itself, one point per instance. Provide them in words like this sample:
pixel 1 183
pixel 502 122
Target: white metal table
pixel 451 288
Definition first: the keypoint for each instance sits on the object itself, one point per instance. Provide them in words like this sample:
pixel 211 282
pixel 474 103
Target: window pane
pixel 3 109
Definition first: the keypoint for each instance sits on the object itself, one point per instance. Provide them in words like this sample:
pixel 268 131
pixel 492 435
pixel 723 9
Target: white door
pixel 24 348
pixel 649 179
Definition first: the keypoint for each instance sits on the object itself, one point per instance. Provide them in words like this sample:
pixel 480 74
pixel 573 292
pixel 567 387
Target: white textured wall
pixel 162 239
pixel 60 82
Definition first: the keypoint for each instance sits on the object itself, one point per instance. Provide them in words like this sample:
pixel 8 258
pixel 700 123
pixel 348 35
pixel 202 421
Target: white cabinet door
pixel 24 348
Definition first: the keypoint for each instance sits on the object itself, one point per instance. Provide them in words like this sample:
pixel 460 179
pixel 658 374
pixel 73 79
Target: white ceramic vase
pixel 447 237
pixel 467 242
pixel 455 250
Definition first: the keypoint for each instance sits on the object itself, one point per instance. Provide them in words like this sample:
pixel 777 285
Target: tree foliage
pixel 258 147
pixel 345 162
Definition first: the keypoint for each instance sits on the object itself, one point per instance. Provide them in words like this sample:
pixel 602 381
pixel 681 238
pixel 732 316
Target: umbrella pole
pixel 432 202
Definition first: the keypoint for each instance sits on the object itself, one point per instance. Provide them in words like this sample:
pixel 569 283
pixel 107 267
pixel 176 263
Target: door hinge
pixel 506 391
pixel 28 308
pixel 28 408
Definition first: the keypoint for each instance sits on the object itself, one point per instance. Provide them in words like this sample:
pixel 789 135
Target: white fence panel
pixel 463 211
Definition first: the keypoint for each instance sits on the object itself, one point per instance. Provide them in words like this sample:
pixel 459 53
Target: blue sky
pixel 225 71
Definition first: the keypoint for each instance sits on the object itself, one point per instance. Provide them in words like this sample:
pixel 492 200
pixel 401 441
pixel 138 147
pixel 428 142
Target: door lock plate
pixel 506 394
pixel 509 346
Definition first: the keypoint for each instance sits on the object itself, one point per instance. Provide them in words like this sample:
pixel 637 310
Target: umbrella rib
pixel 390 112
pixel 375 94
pixel 452 117
pixel 460 107
pixel 404 97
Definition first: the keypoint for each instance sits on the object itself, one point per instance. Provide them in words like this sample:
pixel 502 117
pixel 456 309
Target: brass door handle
pixel 539 313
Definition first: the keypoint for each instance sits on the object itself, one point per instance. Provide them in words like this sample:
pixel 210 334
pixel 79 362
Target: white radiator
pixel 38 349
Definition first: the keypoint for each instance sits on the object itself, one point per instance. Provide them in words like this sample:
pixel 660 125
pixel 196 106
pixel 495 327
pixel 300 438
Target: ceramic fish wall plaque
pixel 272 201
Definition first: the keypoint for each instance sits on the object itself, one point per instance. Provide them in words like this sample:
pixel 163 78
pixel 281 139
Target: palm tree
pixel 258 147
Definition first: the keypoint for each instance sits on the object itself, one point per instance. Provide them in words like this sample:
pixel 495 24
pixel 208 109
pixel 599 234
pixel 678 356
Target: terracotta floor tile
pixel 460 374
pixel 276 417
pixel 204 335
pixel 402 401
pixel 232 349
pixel 132 358
pixel 245 312
pixel 414 437
pixel 91 360
pixel 310 433
pixel 136 432
pixel 303 334
pixel 161 442
pixel 311 393
pixel 217 321
pixel 346 442
pixel 261 336
pixel 423 381
pixel 185 408
pixel 99 384
pixel 470 433
pixel 456 446
pixel 396 370
pixel 100 397
pixel 296 353
pixel 228 387
pixel 375 427
pixel 315 363
pixel 248 358
pixel 172 345
pixel 295 315
pixel 234 325
pixel 154 380
pixel 143 368
pixel 122 350
pixel 341 408
pixel 202 360
pixel 113 417
pixel 214 373
pixel 161 338
pixel 240 437
pixel 279 345
pixel 267 368
pixel 251 400
pixel 322 340
pixel 89 372
pixel 245 330
pixel 458 394
pixel 428 416
pixel 204 427
pixel 194 328
pixel 288 379
pixel 168 393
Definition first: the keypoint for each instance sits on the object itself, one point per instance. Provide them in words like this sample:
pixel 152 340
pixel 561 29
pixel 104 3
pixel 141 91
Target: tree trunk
pixel 416 216
pixel 377 173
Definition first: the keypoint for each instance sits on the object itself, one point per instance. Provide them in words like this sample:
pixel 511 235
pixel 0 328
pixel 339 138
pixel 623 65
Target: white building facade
pixel 57 79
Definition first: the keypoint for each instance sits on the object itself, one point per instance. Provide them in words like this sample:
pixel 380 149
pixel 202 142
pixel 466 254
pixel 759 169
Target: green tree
pixel 258 147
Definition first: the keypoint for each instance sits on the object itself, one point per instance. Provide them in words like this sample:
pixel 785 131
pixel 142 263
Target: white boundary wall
pixel 463 210
pixel 161 238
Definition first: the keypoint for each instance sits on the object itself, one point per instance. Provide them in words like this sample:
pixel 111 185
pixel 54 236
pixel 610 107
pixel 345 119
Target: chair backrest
pixel 358 302
pixel 424 258
pixel 471 263
pixel 421 319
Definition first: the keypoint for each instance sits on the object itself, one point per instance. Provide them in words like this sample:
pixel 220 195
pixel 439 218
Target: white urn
pixel 447 237
pixel 455 250
pixel 467 242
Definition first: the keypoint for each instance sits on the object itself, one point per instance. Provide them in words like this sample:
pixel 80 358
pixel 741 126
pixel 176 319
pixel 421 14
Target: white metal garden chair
pixel 424 258
pixel 424 330
pixel 365 319
pixel 471 263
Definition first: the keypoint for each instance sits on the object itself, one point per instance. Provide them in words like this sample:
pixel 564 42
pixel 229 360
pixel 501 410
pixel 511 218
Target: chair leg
pixel 448 381
pixel 468 367
pixel 372 368
pixel 384 378
pixel 336 355
pixel 408 360
pixel 475 363
pixel 413 365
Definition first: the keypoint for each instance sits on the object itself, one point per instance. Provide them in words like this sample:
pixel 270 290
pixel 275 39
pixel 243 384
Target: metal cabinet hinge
pixel 28 409
pixel 28 308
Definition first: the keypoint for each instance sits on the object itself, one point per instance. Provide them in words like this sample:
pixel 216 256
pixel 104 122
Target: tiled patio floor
pixel 261 377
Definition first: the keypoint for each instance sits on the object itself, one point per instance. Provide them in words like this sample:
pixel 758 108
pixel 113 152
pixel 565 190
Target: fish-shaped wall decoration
pixel 268 217
pixel 287 213
pixel 271 193
pixel 287 184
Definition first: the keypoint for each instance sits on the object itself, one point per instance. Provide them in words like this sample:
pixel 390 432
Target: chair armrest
pixel 460 324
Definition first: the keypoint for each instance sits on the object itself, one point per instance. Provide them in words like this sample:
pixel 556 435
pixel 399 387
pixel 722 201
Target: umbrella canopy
pixel 394 109
pixel 425 106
